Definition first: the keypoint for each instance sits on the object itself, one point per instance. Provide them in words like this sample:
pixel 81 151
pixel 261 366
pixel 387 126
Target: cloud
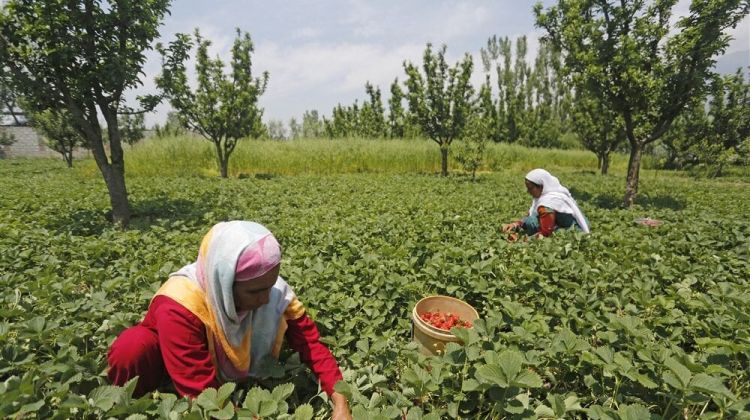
pixel 319 76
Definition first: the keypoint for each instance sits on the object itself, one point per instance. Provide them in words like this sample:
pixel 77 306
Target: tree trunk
pixel 598 161
pixel 222 157
pixel 224 172
pixel 444 161
pixel 605 163
pixel 634 168
pixel 118 195
pixel 68 156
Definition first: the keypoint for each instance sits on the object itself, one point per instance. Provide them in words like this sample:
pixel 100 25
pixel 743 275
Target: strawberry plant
pixel 630 321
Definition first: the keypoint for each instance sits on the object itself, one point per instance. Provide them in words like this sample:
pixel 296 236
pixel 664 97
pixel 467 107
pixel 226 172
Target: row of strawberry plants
pixel 622 322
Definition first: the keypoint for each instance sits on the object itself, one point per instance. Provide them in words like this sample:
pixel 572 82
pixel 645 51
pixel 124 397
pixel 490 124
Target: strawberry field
pixel 629 322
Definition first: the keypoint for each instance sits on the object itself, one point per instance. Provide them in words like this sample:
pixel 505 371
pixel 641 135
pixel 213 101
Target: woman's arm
pixel 184 347
pixel 304 338
pixel 547 221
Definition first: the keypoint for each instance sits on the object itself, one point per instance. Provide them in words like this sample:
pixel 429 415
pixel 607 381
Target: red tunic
pixel 180 337
pixel 547 220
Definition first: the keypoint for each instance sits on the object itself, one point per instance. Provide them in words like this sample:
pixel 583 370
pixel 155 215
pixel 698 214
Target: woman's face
pixel 533 189
pixel 252 294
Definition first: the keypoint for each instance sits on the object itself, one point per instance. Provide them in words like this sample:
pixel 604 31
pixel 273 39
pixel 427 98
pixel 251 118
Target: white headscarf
pixel 555 197
pixel 252 248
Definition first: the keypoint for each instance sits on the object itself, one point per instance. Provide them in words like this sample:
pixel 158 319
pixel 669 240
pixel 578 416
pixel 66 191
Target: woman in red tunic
pixel 552 208
pixel 214 320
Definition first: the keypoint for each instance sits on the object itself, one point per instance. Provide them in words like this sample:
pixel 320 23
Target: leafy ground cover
pixel 628 322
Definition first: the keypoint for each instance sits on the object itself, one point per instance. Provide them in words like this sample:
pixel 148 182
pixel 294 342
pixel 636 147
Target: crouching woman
pixel 213 321
pixel 552 208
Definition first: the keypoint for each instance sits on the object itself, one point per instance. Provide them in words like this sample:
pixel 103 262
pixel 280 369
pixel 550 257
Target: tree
pixel 295 130
pixel 312 125
pixel 441 98
pixel 131 128
pixel 624 54
pixel 6 139
pixel 172 127
pixel 8 97
pixel 224 108
pixel 600 129
pixel 276 130
pixel 57 126
pixel 470 153
pixel 81 56
pixel 372 115
pixel 714 132
pixel 396 114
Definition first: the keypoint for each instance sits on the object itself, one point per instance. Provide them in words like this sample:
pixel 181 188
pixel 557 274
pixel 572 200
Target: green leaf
pixel 225 413
pixel 303 412
pixel 544 411
pixel 254 398
pixel 527 379
pixel 267 408
pixel 208 399
pixel 224 392
pixel 633 412
pixel 510 362
pixel 344 389
pixel 491 375
pixel 469 385
pixel 166 404
pixel 710 385
pixel 106 396
pixel 682 374
pixel 558 404
pixel 282 392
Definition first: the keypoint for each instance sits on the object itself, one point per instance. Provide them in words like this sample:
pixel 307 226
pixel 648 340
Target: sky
pixel 321 53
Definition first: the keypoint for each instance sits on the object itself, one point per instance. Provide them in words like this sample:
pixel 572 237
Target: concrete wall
pixel 30 144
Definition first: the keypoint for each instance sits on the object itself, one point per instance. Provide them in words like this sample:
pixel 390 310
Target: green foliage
pixel 626 56
pixel 224 107
pixel 8 96
pixel 397 119
pixel 276 130
pixel 627 322
pixel 131 128
pixel 367 121
pixel 714 134
pixel 191 156
pixel 440 99
pixel 82 56
pixel 600 130
pixel 172 127
pixel 470 151
pixel 312 125
pixel 58 127
pixel 6 138
pixel 533 103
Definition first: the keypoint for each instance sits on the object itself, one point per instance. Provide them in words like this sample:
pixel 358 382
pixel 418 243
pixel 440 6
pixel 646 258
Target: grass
pixel 190 156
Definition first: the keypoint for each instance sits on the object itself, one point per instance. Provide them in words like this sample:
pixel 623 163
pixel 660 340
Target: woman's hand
pixel 508 227
pixel 340 407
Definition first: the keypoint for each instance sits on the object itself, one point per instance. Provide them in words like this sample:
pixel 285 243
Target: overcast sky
pixel 321 53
